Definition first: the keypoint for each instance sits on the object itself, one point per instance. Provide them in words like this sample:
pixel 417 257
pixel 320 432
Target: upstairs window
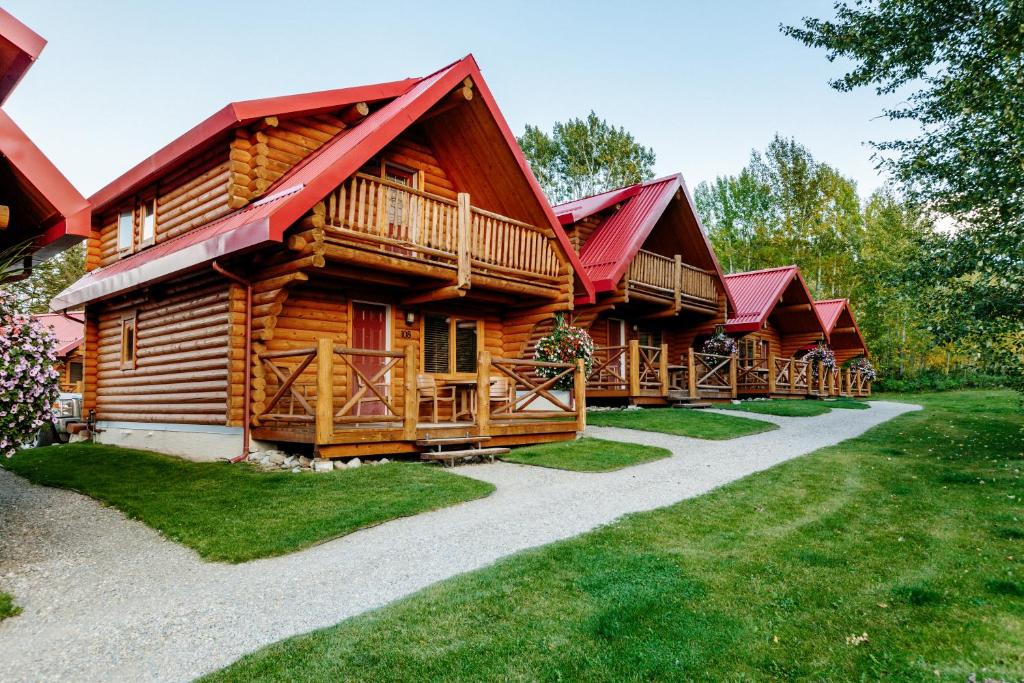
pixel 125 231
pixel 449 344
pixel 148 222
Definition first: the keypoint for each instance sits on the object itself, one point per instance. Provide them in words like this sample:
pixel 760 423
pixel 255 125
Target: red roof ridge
pixel 792 266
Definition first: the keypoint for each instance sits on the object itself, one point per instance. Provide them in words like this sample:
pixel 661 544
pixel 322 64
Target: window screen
pixel 435 343
pixel 465 346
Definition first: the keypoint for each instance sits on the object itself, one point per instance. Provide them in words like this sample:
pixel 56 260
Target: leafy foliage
pixel 582 157
pixel 962 62
pixel 28 380
pixel 565 344
pixel 48 279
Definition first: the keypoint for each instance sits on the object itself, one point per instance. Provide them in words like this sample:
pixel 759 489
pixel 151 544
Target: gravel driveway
pixel 106 598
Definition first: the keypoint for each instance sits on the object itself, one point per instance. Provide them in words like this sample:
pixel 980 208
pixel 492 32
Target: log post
pixel 634 367
pixel 691 373
pixel 663 369
pixel 732 373
pixel 462 243
pixel 483 393
pixel 792 377
pixel 821 379
pixel 771 373
pixel 5 216
pixel 678 277
pixel 324 389
pixel 847 378
pixel 579 387
pixel 411 389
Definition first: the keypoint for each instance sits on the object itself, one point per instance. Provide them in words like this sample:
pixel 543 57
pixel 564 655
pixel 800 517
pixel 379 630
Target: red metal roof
pixel 19 48
pixel 616 241
pixel 69 330
pixel 305 185
pixel 831 311
pixel 757 293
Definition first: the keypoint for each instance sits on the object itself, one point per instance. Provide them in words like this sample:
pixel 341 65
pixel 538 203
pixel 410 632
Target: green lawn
pixel 7 606
pixel 912 534
pixel 848 403
pixel 683 422
pixel 782 407
pixel 234 513
pixel 586 455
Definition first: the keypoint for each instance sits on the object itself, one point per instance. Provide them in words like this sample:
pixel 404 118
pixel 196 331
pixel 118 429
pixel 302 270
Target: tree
pixel 963 64
pixel 34 293
pixel 582 157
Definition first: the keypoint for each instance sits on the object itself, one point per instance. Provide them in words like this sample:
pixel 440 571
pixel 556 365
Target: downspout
pixel 247 382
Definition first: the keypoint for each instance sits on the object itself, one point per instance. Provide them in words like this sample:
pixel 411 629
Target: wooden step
pixel 450 457
pixel 451 440
pixel 691 405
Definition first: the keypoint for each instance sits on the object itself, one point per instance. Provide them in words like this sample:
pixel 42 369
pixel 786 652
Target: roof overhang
pixel 19 48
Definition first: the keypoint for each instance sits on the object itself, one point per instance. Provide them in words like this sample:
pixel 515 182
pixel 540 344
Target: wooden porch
pixel 784 377
pixel 386 226
pixel 667 281
pixel 326 396
pixel 646 375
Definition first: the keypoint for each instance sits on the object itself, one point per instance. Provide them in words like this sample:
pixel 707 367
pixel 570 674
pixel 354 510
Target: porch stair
pixel 680 399
pixel 448 450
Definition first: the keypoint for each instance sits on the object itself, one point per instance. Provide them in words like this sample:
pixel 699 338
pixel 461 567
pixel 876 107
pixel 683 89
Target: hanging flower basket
pixel 28 380
pixel 821 355
pixel 867 370
pixel 565 344
pixel 720 344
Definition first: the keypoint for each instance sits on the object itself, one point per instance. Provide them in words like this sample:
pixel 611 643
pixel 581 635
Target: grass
pixel 912 534
pixel 235 513
pixel 680 421
pixel 586 455
pixel 782 407
pixel 7 606
pixel 847 403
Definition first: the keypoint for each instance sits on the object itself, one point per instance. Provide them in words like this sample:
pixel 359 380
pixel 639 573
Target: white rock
pixel 355 462
pixel 304 461
pixel 383 461
pixel 320 465
pixel 339 464
pixel 296 470
pixel 276 457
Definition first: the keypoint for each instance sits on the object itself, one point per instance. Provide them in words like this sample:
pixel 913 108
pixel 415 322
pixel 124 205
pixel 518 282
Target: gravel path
pixel 106 598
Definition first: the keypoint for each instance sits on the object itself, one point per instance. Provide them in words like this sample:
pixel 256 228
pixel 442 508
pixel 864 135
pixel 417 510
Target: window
pixel 125 231
pixel 449 343
pixel 148 221
pixel 128 343
pixel 75 375
pixel 649 337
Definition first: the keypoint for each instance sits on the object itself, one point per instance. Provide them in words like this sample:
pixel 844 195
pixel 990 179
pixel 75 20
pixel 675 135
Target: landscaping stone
pixel 276 457
pixel 383 461
pixel 322 465
pixel 305 462
pixel 296 469
pixel 355 462
pixel 340 465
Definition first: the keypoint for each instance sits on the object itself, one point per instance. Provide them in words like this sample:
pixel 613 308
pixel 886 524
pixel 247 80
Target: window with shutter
pixel 435 343
pixel 465 346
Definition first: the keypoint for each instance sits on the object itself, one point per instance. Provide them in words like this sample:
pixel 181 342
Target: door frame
pixel 387 325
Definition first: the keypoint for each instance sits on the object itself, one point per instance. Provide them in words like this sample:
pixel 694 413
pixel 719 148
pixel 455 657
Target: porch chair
pixel 369 397
pixel 433 394
pixel 500 392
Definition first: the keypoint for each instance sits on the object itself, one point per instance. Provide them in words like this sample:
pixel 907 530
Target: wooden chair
pixel 502 391
pixel 369 397
pixel 433 394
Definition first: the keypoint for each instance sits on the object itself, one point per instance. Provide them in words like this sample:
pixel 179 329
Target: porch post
pixel 483 393
pixel 821 379
pixel 771 373
pixel 324 425
pixel 663 369
pixel 792 377
pixel 732 374
pixel 634 367
pixel 848 387
pixel 462 242
pixel 679 281
pixel 579 387
pixel 691 373
pixel 411 389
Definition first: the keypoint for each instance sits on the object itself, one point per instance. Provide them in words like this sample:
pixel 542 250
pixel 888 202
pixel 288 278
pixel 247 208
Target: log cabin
pixel 847 343
pixel 40 211
pixel 775 321
pixel 659 290
pixel 69 330
pixel 354 272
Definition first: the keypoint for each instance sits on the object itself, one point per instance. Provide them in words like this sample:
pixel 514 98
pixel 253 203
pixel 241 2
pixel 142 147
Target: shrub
pixel 565 344
pixel 28 380
pixel 936 380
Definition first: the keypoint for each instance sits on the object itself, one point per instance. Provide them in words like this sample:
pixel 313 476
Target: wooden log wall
pixel 580 231
pixel 792 343
pixel 412 149
pixel 90 349
pixel 183 357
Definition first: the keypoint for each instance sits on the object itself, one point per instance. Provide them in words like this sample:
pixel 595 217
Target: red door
pixel 369 331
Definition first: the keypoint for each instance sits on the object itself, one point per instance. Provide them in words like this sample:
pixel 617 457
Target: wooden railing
pixel 610 369
pixel 634 369
pixel 711 375
pixel 531 396
pixel 856 383
pixel 789 376
pixel 671 278
pixel 752 374
pixel 71 387
pixel 411 223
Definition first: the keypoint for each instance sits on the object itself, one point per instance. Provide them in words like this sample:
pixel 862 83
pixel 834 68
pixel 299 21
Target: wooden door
pixel 402 207
pixel 369 331
pixel 617 338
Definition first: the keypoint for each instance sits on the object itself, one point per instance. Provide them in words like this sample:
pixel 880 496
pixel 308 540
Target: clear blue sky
pixel 701 82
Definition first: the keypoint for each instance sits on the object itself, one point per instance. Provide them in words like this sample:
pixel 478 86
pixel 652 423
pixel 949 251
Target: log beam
pixel 5 216
pixel 439 294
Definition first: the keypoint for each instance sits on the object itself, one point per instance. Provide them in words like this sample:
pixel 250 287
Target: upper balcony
pixel 667 279
pixel 403 229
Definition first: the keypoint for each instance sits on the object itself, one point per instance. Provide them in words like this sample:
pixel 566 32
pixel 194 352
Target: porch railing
pixel 671 278
pixel 328 388
pixel 635 369
pixel 711 374
pixel 610 370
pixel 412 223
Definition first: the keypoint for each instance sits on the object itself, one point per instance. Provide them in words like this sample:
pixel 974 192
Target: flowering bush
pixel 565 344
pixel 720 344
pixel 821 354
pixel 867 370
pixel 28 380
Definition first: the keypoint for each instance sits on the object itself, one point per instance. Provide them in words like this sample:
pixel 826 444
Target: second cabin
pixel 659 294
pixel 358 270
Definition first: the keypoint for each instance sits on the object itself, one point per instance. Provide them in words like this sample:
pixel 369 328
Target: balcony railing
pixel 412 224
pixel 671 279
